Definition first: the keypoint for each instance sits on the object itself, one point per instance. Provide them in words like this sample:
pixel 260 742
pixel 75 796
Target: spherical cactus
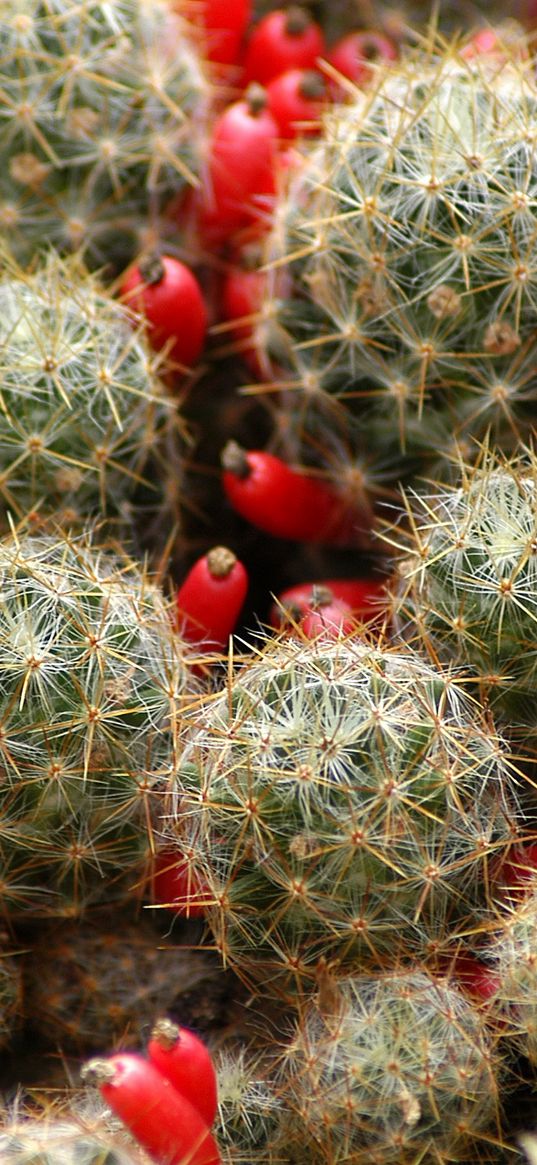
pixel 406 238
pixel 92 678
pixel 84 418
pixel 469 583
pixel 336 798
pixel 397 1068
pixel 101 109
pixel 104 984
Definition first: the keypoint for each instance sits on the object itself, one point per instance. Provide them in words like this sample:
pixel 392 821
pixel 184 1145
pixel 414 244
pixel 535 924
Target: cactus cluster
pixel 85 424
pixel 101 112
pixel 406 323
pixel 335 795
pixel 341 804
pixel 92 677
pixel 468 578
pixel 396 1068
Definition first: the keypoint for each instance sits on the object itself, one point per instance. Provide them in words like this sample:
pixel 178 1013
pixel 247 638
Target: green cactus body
pixel 83 416
pixel 409 288
pixel 339 796
pixel 102 111
pixel 469 584
pixel 92 677
pixel 393 1068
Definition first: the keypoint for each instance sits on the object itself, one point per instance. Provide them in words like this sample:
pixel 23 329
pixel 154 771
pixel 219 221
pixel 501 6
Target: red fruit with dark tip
pixel 165 1123
pixel 167 294
pixel 240 182
pixel 186 1062
pixel 327 618
pixel 363 597
pixel 287 38
pixel 296 100
pixel 210 599
pixel 287 503
pixel 357 57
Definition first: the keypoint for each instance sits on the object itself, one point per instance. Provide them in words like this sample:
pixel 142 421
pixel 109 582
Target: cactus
pixel 102 110
pixel 249 1108
pixel 405 315
pixel 337 796
pixel 103 985
pixel 469 583
pixel 84 419
pixel 65 1133
pixel 398 1067
pixel 92 677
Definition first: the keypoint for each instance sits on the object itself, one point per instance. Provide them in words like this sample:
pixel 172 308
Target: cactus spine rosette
pixel 102 111
pixel 84 419
pixel 335 796
pixel 469 583
pixel 92 678
pixel 397 1067
pixel 407 241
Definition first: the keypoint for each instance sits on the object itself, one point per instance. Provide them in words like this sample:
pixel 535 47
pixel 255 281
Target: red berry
pixel 168 295
pixel 240 183
pixel 357 53
pixel 174 885
pixel 223 24
pixel 362 596
pixel 284 39
pixel 296 100
pixel 286 503
pixel 209 600
pixel 165 1123
pixel 185 1061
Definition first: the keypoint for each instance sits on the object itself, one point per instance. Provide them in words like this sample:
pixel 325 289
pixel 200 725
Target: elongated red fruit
pixel 185 1061
pixel 240 184
pixel 209 600
pixel 362 595
pixel 296 100
pixel 163 1122
pixel 286 38
pixel 286 503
